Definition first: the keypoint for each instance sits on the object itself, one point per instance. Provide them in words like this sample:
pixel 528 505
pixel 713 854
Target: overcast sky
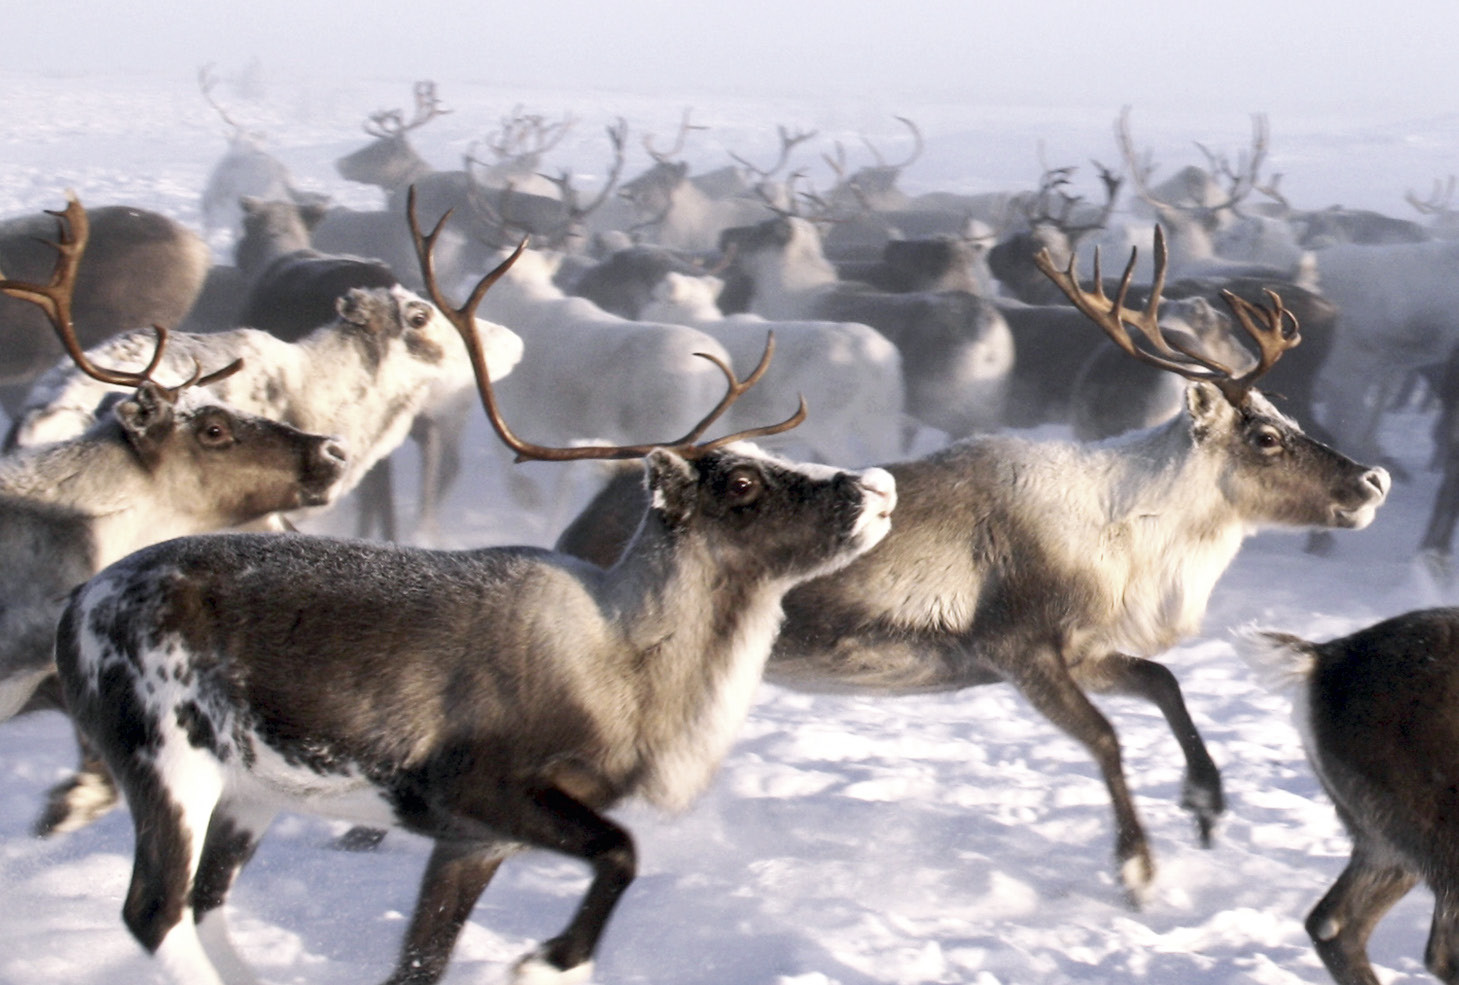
pixel 1236 56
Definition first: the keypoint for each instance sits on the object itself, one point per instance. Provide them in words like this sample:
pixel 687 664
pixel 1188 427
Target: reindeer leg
pixel 1344 918
pixel 1044 680
pixel 74 803
pixel 1441 955
pixel 567 825
pixel 1123 674
pixel 454 879
pixel 471 843
pixel 169 819
pixel 375 495
pixel 233 834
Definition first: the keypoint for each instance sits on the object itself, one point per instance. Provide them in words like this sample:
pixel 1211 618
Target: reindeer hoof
pixel 1207 804
pixel 359 839
pixel 1137 875
pixel 75 803
pixel 535 969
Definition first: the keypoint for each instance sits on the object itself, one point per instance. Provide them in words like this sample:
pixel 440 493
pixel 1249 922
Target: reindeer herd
pixel 503 698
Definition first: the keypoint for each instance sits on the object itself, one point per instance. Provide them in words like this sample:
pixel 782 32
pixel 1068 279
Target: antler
pixel 1242 179
pixel 1438 202
pixel 685 126
pixel 617 137
pixel 527 135
pixel 54 298
pixel 917 146
pixel 464 320
pixel 392 122
pixel 207 82
pixel 1054 186
pixel 788 142
pixel 1268 326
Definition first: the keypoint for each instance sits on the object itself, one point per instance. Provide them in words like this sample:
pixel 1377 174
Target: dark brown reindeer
pixel 142 269
pixel 1376 713
pixel 1063 569
pixel 490 700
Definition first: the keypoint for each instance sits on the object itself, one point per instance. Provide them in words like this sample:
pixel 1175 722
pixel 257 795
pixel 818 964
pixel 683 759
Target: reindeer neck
pixel 1168 530
pixel 698 643
pixel 787 287
pixel 99 478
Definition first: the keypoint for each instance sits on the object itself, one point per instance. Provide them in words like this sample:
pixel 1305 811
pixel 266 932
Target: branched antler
pixel 391 123
pixel 1273 328
pixel 1242 179
pixel 527 136
pixel 207 82
pixel 1440 200
pixel 464 320
pixel 788 142
pixel 664 157
pixel 54 298
pixel 1053 204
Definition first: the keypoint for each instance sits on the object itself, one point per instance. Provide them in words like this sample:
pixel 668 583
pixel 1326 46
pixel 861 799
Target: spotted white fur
pixel 208 674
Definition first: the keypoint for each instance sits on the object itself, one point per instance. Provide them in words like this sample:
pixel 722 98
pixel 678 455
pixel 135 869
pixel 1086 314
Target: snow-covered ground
pixel 950 838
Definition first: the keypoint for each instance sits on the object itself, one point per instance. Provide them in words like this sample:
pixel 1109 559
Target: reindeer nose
pixel 332 452
pixel 1379 480
pixel 879 482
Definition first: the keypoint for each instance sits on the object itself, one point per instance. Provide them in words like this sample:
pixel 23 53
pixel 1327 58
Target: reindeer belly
pixel 347 794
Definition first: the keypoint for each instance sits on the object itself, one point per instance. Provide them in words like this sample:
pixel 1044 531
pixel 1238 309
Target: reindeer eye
pixel 742 487
pixel 1267 440
pixel 418 317
pixel 215 433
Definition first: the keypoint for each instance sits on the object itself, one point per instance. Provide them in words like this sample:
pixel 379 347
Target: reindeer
pixel 501 212
pixel 142 269
pixel 292 287
pixel 956 348
pixel 491 700
pixel 389 160
pixel 385 358
pixel 489 215
pixel 161 462
pixel 850 371
pixel 872 188
pixel 1063 568
pixel 246 169
pixel 670 210
pixel 1204 211
pixel 1375 711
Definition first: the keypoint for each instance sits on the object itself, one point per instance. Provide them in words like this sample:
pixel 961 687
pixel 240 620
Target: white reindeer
pixel 491 700
pixel 956 348
pixel 848 372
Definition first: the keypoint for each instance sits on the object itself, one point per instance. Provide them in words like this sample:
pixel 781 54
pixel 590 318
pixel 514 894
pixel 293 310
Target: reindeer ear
pixel 312 214
pixel 354 306
pixel 672 486
pixel 1206 405
pixel 146 419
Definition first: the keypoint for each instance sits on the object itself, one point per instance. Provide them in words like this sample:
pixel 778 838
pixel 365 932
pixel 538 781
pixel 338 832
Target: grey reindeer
pixel 490 700
pixel 1062 568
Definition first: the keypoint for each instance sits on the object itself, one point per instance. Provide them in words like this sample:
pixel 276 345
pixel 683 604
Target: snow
pixel 846 840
